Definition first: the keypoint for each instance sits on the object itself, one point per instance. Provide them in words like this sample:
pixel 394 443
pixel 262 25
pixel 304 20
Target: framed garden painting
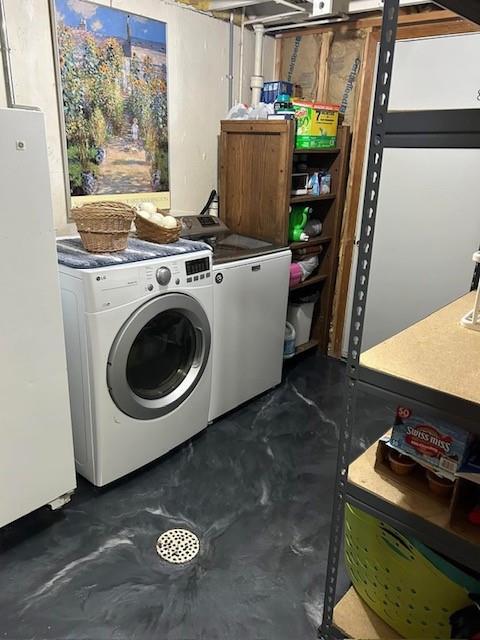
pixel 112 72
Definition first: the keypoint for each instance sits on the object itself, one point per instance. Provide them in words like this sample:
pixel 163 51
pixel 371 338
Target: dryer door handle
pixel 200 350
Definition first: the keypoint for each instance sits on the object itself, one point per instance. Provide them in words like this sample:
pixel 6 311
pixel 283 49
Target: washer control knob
pixel 163 275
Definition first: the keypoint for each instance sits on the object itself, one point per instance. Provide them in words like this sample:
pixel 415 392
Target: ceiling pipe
pixel 291 5
pixel 229 5
pixel 6 59
pixel 267 19
pixel 240 62
pixel 256 82
pixel 230 63
pixel 307 23
pixel 296 10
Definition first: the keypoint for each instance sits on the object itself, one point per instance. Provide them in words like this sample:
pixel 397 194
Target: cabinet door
pixel 250 307
pixel 255 177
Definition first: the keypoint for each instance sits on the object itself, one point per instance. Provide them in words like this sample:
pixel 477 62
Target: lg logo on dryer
pixel 219 278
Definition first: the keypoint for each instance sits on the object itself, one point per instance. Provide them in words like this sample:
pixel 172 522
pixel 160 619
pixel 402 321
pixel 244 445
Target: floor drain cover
pixel 178 546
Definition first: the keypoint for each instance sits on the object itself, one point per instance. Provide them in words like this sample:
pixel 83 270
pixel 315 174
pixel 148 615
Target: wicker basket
pixel 147 230
pixel 104 226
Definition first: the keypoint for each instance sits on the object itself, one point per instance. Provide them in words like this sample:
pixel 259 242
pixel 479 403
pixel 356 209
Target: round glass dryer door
pixel 158 356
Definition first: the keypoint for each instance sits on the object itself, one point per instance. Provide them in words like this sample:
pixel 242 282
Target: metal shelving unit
pixel 409 129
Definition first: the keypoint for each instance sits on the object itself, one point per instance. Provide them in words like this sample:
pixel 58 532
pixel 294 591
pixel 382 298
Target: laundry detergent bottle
pixel 298 220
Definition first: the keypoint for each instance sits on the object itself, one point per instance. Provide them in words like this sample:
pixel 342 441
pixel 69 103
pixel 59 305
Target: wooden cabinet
pixel 255 176
pixel 256 162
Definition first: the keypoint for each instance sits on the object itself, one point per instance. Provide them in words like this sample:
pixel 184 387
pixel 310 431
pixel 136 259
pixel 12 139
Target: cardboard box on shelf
pixel 442 446
pixel 271 89
pixel 316 124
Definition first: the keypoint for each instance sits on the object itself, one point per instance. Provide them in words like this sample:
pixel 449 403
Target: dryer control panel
pixel 198 269
pixel 109 287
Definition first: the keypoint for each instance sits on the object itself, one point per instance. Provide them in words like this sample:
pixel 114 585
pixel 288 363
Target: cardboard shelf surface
pixel 310 280
pixel 437 353
pixel 307 346
pixel 331 150
pixel 312 198
pixel 354 618
pixel 314 241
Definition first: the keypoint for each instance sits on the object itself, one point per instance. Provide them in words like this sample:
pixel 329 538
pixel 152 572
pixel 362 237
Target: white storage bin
pixel 300 315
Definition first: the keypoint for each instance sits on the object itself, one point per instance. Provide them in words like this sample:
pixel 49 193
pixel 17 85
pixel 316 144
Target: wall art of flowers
pixel 113 70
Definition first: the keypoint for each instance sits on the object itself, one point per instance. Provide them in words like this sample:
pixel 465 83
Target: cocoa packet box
pixel 438 444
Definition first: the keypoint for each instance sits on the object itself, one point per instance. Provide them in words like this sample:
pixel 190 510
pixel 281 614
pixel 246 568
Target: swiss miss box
pixel 436 443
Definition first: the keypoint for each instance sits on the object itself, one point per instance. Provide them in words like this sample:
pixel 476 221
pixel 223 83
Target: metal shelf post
pixel 374 167
pixel 432 129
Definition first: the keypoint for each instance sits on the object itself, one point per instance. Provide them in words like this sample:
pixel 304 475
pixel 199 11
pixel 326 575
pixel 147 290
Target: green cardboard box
pixel 316 124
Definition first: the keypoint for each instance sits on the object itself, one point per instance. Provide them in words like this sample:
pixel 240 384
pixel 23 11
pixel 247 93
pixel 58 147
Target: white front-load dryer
pixel 138 341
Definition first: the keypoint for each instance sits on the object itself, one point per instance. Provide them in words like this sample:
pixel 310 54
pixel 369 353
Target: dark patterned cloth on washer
pixel 70 252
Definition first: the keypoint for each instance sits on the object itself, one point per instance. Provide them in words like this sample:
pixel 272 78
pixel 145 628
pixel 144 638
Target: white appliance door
pixel 250 307
pixel 36 451
pixel 159 356
pixel 421 257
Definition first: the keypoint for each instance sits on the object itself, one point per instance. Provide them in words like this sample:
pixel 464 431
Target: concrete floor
pixel 256 487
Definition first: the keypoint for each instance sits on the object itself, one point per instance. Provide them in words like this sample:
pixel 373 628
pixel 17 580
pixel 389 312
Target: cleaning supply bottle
pixel 282 103
pixel 314 184
pixel 297 222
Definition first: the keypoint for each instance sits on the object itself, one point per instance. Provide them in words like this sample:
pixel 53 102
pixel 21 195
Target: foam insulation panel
pixel 344 65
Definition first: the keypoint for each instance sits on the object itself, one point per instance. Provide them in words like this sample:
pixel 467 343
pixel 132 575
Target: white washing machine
pixel 138 341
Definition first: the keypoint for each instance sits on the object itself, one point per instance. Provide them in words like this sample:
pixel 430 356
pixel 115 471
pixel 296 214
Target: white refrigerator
pixel 36 449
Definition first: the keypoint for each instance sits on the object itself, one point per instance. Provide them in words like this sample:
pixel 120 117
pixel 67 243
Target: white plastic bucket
pixel 299 315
